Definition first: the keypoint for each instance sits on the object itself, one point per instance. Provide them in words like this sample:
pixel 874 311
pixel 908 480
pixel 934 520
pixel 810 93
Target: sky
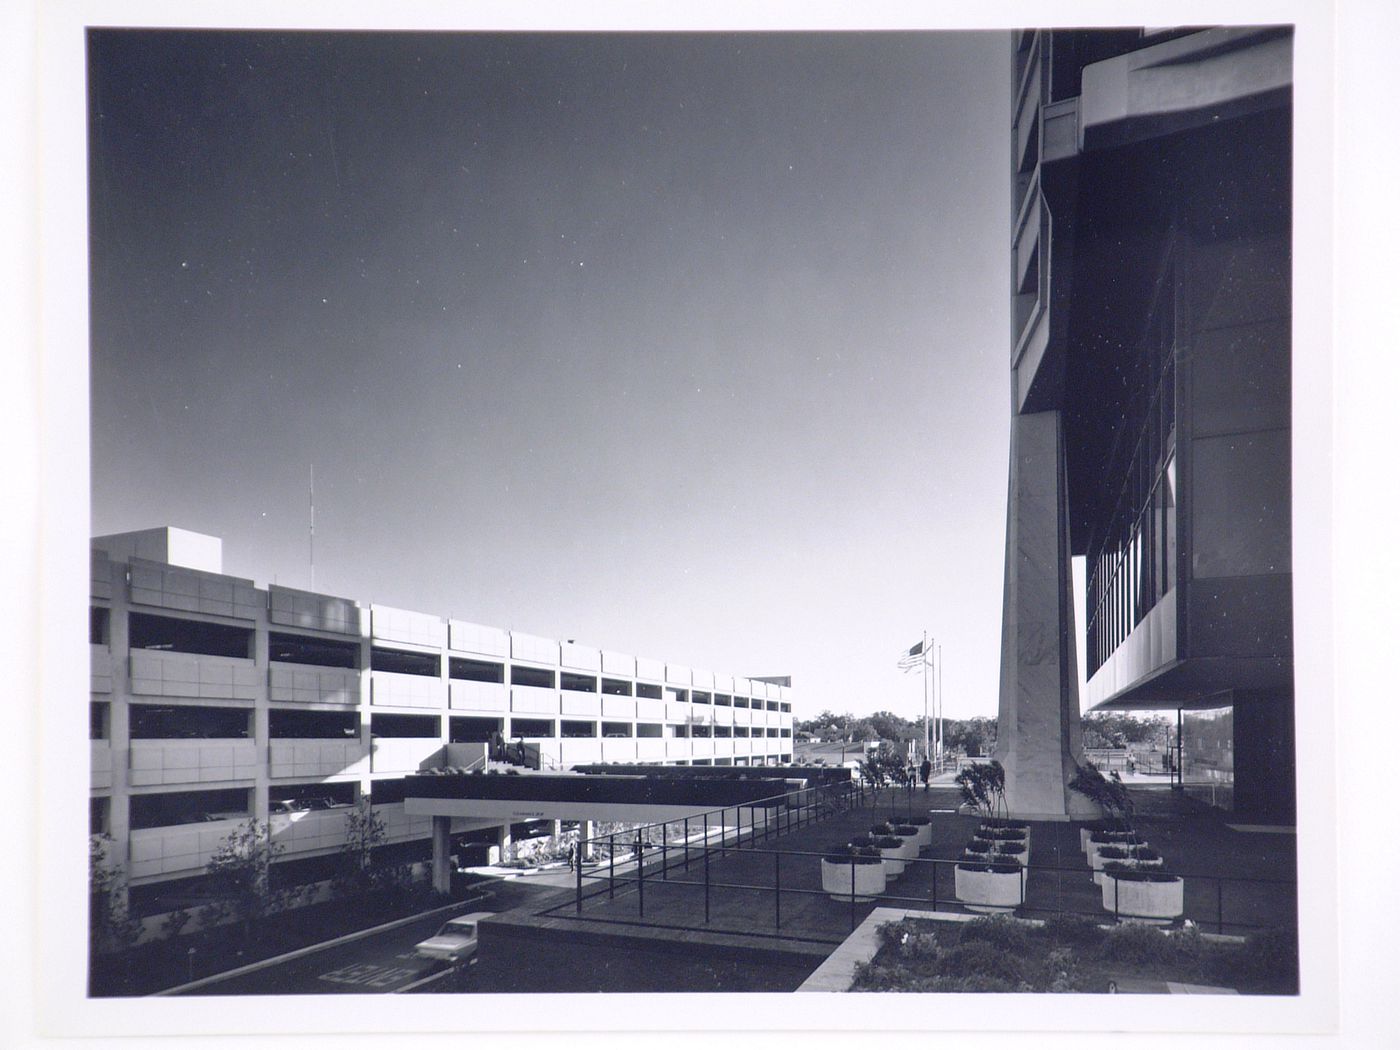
pixel 693 346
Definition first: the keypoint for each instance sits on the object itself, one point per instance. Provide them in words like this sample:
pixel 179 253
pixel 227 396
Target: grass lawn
pixel 1069 954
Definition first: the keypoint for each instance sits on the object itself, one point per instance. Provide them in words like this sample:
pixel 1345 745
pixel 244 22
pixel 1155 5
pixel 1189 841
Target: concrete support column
pixel 1038 733
pixel 503 840
pixel 442 860
pixel 585 833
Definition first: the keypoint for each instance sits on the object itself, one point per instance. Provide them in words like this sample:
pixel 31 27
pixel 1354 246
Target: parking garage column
pixel 585 836
pixel 442 861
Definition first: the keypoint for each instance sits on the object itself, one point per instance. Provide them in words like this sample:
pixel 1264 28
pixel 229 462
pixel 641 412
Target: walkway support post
pixel 612 854
pixel 442 860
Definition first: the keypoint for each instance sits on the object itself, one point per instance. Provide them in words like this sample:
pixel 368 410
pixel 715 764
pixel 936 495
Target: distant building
pixel 1150 361
pixel 214 701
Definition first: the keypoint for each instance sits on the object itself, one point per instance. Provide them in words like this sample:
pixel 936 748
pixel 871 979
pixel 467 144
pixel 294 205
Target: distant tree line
pixel 977 736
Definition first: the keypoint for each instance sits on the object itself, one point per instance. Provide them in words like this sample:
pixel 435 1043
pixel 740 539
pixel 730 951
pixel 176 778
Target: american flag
pixel 917 656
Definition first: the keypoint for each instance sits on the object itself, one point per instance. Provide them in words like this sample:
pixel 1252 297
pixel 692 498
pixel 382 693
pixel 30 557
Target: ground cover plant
pixel 1069 953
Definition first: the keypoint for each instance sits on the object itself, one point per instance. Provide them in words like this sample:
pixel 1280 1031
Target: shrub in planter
pixel 1003 832
pixel 1001 931
pixel 983 787
pixel 862 841
pixel 980 845
pixel 1068 928
pixel 996 886
pixel 852 873
pixel 882 829
pixel 1143 854
pixel 1144 896
pixel 1010 849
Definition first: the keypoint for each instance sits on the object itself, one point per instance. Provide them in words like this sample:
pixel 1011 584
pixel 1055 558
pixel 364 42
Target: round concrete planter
pixel 894 861
pixel 924 826
pixel 1155 901
pixel 910 848
pixel 989 891
pixel 869 880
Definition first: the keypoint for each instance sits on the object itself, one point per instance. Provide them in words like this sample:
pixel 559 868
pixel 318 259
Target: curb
pixel 312 948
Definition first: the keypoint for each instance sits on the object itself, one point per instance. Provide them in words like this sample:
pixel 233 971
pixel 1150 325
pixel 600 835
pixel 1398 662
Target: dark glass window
pixel 532 676
pixel 475 670
pixel 420 726
pixel 313 725
pixel 648 691
pixel 578 683
pixel 99 815
pixel 99 720
pixel 741 701
pixel 158 722
pixel 724 731
pixel 189 636
pixel 294 798
pixel 297 649
pixel 99 625
pixel 649 729
pixel 531 727
pixel 617 687
pixel 189 807
pixel 701 731
pixel 403 661
pixel 465 730
pixel 724 700
pixel 699 697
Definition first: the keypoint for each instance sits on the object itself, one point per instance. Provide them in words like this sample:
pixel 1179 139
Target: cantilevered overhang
pixel 1188 82
pixel 1199 684
pixel 638 799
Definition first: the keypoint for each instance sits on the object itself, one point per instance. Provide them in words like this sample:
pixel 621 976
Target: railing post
pixel 853 890
pixel 664 876
pixel 1219 902
pixel 934 889
pixel 641 878
pixel 777 891
pixel 612 854
pixel 578 881
pixel 1116 920
pixel 687 843
pixel 707 874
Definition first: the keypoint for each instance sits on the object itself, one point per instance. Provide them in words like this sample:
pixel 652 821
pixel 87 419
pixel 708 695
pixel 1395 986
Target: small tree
pixel 240 873
pixel 359 875
pixel 1109 793
pixel 983 786
pixel 110 925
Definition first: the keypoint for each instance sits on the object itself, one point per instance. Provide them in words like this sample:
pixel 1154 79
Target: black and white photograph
pixel 618 520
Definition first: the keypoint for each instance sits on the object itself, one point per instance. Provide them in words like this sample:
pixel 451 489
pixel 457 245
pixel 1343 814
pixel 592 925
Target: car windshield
pixel 457 929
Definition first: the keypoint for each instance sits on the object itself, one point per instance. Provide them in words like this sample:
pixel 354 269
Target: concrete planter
pixel 910 848
pixel 894 861
pixel 1137 865
pixel 989 891
pixel 1137 900
pixel 869 880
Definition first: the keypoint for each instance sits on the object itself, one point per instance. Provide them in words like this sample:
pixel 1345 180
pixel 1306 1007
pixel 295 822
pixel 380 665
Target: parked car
pixel 455 942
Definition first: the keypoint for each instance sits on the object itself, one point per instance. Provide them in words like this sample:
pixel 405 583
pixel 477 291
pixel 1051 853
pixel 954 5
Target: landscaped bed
pixel 166 963
pixel 1069 954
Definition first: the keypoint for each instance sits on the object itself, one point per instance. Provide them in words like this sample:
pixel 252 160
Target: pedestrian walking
pixel 925 768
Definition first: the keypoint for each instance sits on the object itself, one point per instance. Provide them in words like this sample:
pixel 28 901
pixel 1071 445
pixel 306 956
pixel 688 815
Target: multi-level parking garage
pixel 215 701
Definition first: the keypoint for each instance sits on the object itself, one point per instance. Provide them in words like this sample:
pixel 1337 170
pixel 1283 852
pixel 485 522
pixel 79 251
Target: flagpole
pixel 923 659
pixel 938 708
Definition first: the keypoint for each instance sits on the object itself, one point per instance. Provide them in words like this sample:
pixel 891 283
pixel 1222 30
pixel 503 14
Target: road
pixel 380 963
